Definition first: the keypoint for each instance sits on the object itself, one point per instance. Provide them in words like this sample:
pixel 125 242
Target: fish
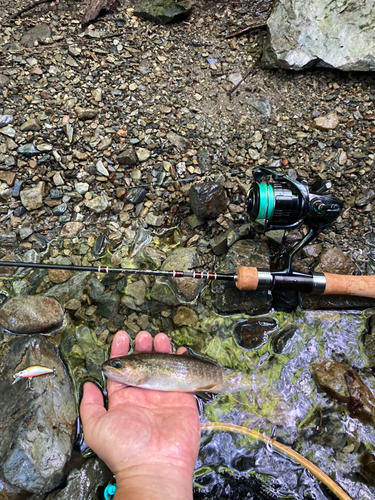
pixel 171 372
pixel 32 371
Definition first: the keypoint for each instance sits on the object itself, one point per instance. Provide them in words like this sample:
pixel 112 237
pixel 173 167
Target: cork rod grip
pixel 361 286
pixel 247 278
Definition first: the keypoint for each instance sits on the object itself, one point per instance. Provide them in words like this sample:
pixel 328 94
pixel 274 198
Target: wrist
pixel 154 481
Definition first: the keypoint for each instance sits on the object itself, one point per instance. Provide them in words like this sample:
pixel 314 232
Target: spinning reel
pixel 287 203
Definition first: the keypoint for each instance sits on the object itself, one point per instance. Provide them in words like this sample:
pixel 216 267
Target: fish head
pixel 123 370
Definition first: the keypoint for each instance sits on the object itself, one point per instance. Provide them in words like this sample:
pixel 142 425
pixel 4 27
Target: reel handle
pixel 250 278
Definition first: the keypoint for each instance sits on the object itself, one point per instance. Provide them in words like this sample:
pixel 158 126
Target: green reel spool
pixel 266 200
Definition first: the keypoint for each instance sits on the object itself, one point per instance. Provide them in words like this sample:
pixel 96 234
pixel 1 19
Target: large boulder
pixel 327 33
pixel 36 436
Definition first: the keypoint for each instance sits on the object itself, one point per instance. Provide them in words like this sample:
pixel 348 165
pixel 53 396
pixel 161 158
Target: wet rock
pixel 109 304
pixel 346 386
pixel 207 199
pixel 185 317
pixel 38 33
pixel 98 204
pixel 71 229
pixel 31 124
pixel 174 290
pixel 4 81
pixel 219 244
pixel 335 261
pixel 180 142
pixel 37 441
pixel 281 339
pixel 367 467
pixel 81 187
pixel 29 314
pixel 328 122
pixel 71 289
pixel 163 11
pixel 154 220
pixel 101 169
pixel 32 198
pixel 127 157
pixel 253 333
pixel 5 120
pixel 137 291
pixel 85 114
pixel 320 34
pixel 228 298
pixel 369 342
pixel 83 483
pixel 59 275
pixel 331 430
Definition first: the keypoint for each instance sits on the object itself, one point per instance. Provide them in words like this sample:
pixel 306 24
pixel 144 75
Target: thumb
pixel 91 407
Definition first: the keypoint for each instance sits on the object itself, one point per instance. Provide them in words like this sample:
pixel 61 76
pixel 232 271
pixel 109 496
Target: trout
pixel 170 372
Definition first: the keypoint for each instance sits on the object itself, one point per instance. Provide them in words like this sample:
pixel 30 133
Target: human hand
pixel 149 439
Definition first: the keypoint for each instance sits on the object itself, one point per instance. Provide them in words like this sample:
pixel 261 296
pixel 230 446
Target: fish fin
pixel 206 388
pixel 205 397
pixel 141 380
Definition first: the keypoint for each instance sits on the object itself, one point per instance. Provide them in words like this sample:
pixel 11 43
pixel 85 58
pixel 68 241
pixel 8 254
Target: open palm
pixel 142 429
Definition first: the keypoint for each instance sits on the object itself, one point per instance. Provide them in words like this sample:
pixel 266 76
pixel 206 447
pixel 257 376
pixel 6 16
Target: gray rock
pixel 321 33
pixel 136 290
pixel 30 314
pixel 71 229
pixel 28 150
pixel 5 120
pixel 8 131
pixel 7 238
pixel 228 297
pixel 154 220
pixel 143 154
pixel 85 114
pixel 25 232
pixel 39 32
pixel 109 304
pixel 367 196
pixel 98 204
pixel 83 484
pixel 261 105
pixel 137 195
pixel 37 440
pixel 4 81
pixel 180 142
pixel 71 289
pixel 127 157
pixel 178 290
pixel 30 125
pixel 101 169
pixel 32 198
pixel 207 199
pixel 81 187
pixel 219 244
pixel 163 11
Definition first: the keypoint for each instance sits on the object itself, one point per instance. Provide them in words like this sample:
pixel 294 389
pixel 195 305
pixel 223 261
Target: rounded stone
pixel 27 314
pixel 185 316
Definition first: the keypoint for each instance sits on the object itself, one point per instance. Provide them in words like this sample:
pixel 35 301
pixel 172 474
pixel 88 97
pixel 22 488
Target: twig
pixel 247 30
pixel 30 7
pixel 230 92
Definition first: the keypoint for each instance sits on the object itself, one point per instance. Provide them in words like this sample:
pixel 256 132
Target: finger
pixel 120 347
pixel 91 408
pixel 143 342
pixel 183 351
pixel 120 344
pixel 162 343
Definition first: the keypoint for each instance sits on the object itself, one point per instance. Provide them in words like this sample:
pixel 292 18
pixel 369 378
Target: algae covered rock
pixel 163 11
pixel 228 297
pixel 37 440
pixel 173 291
pixel 28 314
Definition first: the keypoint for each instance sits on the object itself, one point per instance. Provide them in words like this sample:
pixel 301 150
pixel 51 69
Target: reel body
pixel 287 203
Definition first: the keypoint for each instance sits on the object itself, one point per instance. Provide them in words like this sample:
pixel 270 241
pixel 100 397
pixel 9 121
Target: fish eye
pixel 116 363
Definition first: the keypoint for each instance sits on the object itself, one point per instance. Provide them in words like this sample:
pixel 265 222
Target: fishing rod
pixel 283 204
